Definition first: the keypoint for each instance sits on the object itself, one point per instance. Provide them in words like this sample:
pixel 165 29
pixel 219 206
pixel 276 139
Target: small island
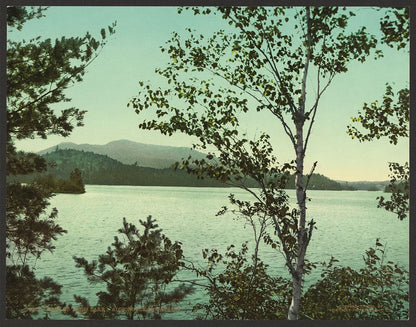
pixel 73 185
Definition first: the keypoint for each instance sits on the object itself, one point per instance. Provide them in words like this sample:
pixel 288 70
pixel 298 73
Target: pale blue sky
pixel 133 53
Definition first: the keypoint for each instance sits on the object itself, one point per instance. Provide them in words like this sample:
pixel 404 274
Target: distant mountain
pixel 162 156
pixel 101 169
pixel 129 152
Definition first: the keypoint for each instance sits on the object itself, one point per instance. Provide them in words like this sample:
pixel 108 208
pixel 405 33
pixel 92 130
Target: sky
pixel 133 52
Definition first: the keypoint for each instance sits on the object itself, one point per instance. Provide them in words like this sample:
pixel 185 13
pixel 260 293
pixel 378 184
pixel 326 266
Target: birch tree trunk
pixel 297 274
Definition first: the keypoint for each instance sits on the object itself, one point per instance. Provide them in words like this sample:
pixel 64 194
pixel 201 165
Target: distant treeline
pixel 103 170
pixel 320 182
pixel 399 187
pixel 366 186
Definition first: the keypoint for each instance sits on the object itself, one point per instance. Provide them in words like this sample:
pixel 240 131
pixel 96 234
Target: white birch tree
pixel 262 62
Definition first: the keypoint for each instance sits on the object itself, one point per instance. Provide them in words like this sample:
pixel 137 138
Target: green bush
pixel 377 291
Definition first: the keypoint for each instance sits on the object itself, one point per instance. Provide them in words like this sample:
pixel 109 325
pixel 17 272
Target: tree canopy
pixel 390 117
pixel 38 73
pixel 262 62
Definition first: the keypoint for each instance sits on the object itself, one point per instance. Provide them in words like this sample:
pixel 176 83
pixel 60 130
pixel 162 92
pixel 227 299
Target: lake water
pixel 348 223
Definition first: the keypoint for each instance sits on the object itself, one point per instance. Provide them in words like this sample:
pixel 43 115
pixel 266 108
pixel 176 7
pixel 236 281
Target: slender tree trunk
pixel 300 195
pixel 300 192
pixel 295 304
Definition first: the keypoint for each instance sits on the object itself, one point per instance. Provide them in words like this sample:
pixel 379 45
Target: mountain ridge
pixel 164 156
pixel 104 170
pixel 131 152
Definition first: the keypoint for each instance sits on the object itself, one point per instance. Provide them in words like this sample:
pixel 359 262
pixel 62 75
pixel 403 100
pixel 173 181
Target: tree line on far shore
pixel 102 170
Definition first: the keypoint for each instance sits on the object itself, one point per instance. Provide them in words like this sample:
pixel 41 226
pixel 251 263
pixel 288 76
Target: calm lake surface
pixel 348 223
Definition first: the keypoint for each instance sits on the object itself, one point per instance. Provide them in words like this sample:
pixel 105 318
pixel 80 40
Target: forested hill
pixel 103 170
pixel 320 182
pixel 129 152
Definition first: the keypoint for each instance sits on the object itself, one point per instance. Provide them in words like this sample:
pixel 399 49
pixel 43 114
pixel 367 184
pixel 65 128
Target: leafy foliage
pixel 388 119
pixel 17 16
pixel 395 27
pixel 379 290
pixel 243 289
pixel 137 271
pixel 391 118
pixel 400 188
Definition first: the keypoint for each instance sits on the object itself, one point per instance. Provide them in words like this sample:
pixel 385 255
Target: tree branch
pixel 314 109
pixel 309 176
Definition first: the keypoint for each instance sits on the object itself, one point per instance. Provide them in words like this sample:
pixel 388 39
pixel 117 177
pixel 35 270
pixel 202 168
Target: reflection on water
pixel 348 223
